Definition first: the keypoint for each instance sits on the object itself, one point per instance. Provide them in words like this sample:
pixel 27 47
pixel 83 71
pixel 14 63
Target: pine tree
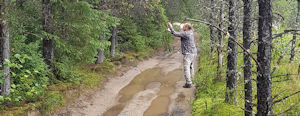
pixel 247 60
pixel 231 78
pixel 264 80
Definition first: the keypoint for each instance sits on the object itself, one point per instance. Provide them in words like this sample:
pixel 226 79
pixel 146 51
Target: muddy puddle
pixel 141 83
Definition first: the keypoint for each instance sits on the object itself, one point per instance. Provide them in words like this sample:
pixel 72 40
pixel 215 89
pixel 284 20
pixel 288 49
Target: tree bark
pixel 232 54
pixel 247 60
pixel 113 41
pixel 211 19
pixel 100 54
pixel 4 37
pixel 264 55
pixel 220 38
pixel 294 34
pixel 48 50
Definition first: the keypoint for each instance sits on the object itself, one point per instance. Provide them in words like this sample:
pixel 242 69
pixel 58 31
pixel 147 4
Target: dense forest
pixel 248 62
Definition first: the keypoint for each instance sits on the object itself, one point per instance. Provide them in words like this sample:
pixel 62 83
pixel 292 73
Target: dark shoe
pixel 187 85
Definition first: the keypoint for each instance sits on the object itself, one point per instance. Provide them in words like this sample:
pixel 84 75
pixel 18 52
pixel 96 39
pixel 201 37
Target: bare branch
pixel 283 75
pixel 282 80
pixel 279 15
pixel 246 110
pixel 286 97
pixel 277 95
pixel 286 110
pixel 285 32
pixel 281 56
pixel 225 32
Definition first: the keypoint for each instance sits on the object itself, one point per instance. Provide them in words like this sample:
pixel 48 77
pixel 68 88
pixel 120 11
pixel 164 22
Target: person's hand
pixel 168 29
pixel 170 25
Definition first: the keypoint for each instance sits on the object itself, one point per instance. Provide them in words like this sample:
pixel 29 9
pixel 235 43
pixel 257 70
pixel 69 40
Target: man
pixel 188 49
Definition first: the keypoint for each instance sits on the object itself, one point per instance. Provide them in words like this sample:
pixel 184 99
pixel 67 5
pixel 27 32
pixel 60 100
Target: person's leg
pixel 187 68
pixel 192 69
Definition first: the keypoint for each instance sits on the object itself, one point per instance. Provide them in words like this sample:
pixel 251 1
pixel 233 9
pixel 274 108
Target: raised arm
pixel 178 34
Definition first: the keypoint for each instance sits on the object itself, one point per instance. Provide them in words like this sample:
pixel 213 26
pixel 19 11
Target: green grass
pixel 210 93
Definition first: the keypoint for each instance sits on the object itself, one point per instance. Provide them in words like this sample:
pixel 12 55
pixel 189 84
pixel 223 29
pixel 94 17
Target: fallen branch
pixel 230 37
pixel 285 32
pixel 286 110
pixel 285 97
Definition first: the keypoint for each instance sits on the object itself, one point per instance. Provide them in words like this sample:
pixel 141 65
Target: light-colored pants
pixel 188 66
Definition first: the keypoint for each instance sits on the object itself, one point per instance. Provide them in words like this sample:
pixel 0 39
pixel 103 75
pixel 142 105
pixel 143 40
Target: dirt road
pixel 152 88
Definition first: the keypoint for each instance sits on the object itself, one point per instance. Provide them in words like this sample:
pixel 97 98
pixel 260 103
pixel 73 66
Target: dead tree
pixel 264 54
pixel 5 52
pixel 48 50
pixel 211 29
pixel 247 59
pixel 220 39
pixel 295 34
pixel 231 81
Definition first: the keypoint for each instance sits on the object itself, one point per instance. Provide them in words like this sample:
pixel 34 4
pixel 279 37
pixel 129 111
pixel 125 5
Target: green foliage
pixel 79 27
pixel 210 92
pixel 51 101
pixel 66 73
pixel 129 37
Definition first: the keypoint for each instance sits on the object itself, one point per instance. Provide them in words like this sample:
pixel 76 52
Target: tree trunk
pixel 211 28
pixel 220 37
pixel 113 41
pixel 48 42
pixel 295 35
pixel 100 55
pixel 232 54
pixel 247 60
pixel 264 55
pixel 4 36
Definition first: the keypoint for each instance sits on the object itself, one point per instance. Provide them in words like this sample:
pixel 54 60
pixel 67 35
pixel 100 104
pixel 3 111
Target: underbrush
pixel 210 93
pixel 60 92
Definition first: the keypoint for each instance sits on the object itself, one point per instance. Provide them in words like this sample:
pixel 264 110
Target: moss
pixel 60 87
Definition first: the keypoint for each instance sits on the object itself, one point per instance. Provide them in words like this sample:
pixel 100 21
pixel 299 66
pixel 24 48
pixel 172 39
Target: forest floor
pixel 151 88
